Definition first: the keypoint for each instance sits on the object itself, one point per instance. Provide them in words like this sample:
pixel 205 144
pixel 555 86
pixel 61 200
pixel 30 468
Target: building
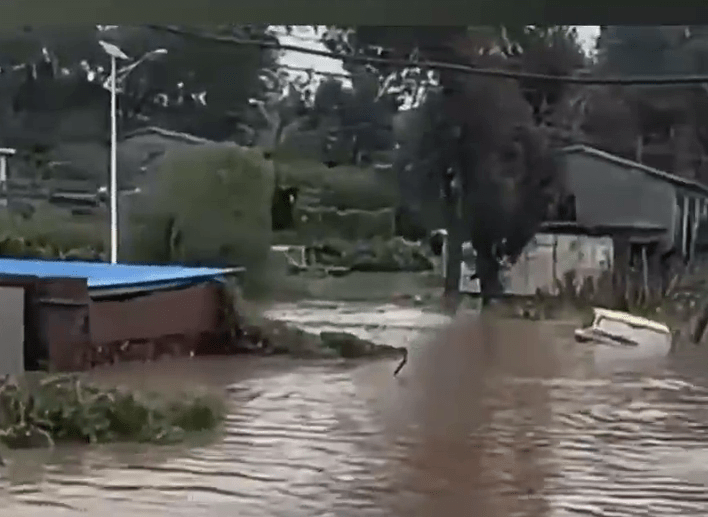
pixel 548 259
pixel 138 152
pixel 68 315
pixel 620 216
pixel 606 191
pixel 148 145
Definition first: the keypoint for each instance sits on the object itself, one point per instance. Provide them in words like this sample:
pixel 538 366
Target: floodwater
pixel 488 418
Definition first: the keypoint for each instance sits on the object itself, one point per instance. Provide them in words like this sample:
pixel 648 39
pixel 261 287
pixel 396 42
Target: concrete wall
pixel 610 194
pixel 12 329
pixel 546 259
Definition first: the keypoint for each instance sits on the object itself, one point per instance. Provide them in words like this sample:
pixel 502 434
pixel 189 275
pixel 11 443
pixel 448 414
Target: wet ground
pixel 489 418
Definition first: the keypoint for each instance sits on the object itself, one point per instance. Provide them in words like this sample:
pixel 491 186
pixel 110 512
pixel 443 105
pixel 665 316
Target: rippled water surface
pixel 489 418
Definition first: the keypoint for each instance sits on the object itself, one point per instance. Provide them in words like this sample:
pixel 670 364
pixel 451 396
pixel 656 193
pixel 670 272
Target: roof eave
pixel 618 160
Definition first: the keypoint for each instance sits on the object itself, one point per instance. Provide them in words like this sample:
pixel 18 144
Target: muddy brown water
pixel 489 418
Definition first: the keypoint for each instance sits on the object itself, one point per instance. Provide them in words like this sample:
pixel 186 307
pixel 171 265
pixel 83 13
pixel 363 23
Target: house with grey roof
pixel 610 191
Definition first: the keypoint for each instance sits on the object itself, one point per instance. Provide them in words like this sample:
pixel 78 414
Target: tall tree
pixel 493 166
pixel 670 132
pixel 197 86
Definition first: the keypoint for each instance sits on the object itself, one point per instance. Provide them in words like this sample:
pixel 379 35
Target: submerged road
pixel 488 418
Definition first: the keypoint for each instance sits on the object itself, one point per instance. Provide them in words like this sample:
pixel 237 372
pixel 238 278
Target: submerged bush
pixel 64 408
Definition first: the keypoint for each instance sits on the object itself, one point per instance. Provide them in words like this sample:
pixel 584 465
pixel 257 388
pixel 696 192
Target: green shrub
pixel 52 231
pixel 373 255
pixel 342 187
pixel 352 224
pixel 64 408
pixel 208 204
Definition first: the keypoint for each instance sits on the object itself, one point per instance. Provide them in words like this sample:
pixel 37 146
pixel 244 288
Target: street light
pixel 115 54
pixel 123 73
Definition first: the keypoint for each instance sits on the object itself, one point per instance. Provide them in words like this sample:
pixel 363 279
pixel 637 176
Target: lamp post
pixel 115 54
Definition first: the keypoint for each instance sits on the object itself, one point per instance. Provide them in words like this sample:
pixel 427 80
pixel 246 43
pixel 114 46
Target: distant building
pixel 608 191
pixel 620 216
pixel 553 253
pixel 147 145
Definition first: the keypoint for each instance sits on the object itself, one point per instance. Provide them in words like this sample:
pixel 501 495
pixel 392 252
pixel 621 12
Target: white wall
pixel 539 266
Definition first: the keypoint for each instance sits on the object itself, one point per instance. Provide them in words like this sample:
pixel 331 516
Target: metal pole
pixel 3 181
pixel 444 255
pixel 114 167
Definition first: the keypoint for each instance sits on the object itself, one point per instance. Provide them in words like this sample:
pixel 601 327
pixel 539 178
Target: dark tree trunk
pixel 454 255
pixel 488 271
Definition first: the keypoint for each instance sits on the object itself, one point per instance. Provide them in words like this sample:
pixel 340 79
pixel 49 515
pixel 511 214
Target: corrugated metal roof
pixel 107 277
pixel 623 162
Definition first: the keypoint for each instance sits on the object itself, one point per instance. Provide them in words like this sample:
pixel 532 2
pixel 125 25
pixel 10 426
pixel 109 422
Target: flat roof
pixel 101 276
pixel 623 162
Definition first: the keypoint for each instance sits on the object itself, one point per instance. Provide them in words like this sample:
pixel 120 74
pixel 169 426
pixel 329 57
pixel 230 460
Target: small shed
pixel 586 254
pixel 73 310
pixel 546 260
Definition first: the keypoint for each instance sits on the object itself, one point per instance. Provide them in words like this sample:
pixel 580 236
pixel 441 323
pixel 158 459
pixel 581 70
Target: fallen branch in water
pixel 404 361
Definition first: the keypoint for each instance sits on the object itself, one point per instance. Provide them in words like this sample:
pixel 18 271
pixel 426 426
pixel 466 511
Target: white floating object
pixel 620 335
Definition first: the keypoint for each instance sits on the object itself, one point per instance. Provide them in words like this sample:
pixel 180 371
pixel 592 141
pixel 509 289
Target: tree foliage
pixel 478 141
pixel 473 153
pixel 197 86
pixel 662 126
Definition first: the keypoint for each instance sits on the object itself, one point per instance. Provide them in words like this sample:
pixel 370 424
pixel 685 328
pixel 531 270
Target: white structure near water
pixel 545 261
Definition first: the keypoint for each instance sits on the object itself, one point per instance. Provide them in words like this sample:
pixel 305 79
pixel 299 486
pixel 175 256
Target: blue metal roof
pixel 101 275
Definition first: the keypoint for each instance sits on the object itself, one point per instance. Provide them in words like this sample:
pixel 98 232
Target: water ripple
pixel 509 438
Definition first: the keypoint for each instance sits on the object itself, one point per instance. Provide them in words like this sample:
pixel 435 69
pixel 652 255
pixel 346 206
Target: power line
pixel 438 65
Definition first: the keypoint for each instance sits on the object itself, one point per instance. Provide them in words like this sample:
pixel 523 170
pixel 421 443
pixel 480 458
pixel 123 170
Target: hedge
pixel 210 204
